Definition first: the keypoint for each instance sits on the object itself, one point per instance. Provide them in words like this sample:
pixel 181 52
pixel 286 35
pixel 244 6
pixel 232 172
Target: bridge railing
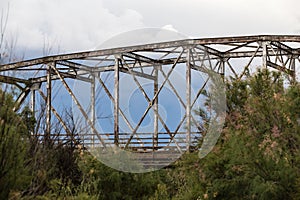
pixel 144 142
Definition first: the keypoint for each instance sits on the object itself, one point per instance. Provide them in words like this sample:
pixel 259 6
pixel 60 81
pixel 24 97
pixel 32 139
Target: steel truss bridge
pixel 156 63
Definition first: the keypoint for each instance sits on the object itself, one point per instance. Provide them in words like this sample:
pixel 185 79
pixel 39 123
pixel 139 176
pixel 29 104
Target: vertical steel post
pixel 93 114
pixel 188 99
pixel 293 68
pixel 32 105
pixel 222 66
pixel 116 102
pixel 155 106
pixel 264 54
pixel 32 101
pixel 48 106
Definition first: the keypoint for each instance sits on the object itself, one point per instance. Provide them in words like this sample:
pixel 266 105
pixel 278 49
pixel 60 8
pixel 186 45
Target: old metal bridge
pixel 156 63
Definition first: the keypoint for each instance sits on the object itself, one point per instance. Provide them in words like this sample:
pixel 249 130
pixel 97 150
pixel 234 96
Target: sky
pixel 61 26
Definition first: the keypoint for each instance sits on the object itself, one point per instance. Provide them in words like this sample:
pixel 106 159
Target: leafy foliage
pixel 257 156
pixel 13 148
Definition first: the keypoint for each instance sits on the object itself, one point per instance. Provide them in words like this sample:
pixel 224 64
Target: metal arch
pixel 279 52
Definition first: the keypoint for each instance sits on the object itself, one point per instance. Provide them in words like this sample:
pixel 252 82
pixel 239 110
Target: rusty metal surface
pixel 152 47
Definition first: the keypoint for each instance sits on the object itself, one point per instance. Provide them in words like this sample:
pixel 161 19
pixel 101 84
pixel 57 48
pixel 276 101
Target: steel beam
pixel 116 101
pixel 264 54
pixel 32 102
pixel 150 47
pixel 49 101
pixel 155 108
pixel 93 104
pixel 188 99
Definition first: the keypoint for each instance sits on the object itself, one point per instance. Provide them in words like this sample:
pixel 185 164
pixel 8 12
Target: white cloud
pixel 170 28
pixel 72 24
pixel 77 25
pixel 207 18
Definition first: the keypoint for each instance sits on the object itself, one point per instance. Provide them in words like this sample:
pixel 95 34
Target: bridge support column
pixel 93 114
pixel 116 101
pixel 188 99
pixel 155 107
pixel 222 68
pixel 32 101
pixel 48 102
pixel 32 105
pixel 293 68
pixel 264 54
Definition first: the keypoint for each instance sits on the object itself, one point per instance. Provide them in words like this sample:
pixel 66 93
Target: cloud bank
pixel 71 24
pixel 76 25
